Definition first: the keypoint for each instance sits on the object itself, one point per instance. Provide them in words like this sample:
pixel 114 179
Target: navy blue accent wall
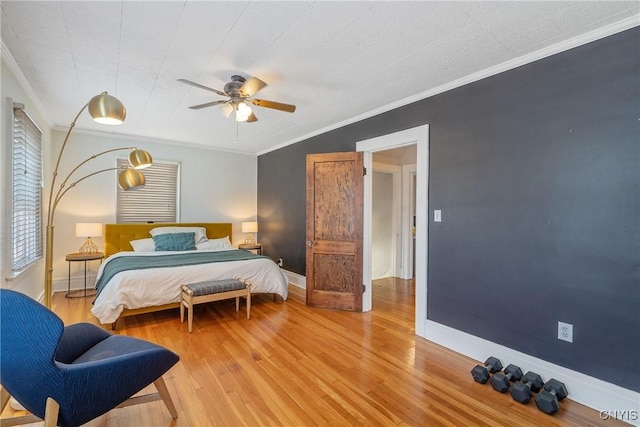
pixel 537 173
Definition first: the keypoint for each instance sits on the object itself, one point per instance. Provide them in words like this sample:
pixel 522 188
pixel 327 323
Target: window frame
pixel 29 235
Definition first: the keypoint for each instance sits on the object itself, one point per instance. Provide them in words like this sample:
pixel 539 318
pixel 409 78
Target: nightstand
pixel 251 247
pixel 78 257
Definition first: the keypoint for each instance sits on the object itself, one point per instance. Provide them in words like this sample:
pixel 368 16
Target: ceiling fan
pixel 240 90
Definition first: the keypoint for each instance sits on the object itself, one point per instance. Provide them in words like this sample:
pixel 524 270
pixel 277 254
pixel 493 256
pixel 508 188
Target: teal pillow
pixel 175 242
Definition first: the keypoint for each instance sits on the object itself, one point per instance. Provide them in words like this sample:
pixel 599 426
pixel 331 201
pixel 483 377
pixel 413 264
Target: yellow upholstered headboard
pixel 118 236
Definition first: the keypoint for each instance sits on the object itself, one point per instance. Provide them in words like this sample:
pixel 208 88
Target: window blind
pixel 26 216
pixel 157 201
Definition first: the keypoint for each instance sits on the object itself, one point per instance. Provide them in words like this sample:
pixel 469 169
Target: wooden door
pixel 335 186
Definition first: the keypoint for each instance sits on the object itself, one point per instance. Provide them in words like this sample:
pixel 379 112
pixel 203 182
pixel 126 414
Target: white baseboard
pixel 611 400
pixel 77 283
pixel 296 279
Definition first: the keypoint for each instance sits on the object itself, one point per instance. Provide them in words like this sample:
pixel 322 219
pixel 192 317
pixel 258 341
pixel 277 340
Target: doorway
pixel 420 137
pixel 393 212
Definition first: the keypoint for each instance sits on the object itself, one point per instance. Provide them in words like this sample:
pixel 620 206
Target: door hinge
pixel 364 171
pixel 364 289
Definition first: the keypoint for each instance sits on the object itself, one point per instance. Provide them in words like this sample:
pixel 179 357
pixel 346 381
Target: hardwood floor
pixel 291 365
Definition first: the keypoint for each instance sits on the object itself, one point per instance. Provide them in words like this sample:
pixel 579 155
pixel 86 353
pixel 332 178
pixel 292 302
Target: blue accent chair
pixel 70 375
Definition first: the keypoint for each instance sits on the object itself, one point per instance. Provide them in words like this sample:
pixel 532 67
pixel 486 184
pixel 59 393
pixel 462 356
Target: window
pixel 26 190
pixel 157 201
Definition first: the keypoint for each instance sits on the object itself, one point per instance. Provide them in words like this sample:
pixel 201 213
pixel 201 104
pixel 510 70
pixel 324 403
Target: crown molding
pixel 8 59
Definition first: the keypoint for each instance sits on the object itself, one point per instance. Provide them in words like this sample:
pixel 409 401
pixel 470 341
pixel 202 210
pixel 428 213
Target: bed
pixel 134 282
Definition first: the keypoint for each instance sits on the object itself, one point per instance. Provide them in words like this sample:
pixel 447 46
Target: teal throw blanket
pixel 117 265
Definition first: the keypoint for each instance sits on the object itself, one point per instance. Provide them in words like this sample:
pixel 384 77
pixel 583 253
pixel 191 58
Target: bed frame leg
pixel 277 299
pixel 114 325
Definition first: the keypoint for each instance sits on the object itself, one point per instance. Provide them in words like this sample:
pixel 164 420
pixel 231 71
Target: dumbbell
pixel 502 380
pixel 548 400
pixel 522 391
pixel 481 373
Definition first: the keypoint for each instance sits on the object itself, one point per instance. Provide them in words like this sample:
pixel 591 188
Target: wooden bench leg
pixel 237 304
pixel 248 301
pixel 190 314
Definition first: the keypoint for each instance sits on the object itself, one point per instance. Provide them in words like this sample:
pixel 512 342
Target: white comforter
pixel 152 287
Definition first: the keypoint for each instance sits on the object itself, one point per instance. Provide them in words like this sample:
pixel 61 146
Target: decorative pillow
pixel 200 232
pixel 175 242
pixel 143 245
pixel 215 244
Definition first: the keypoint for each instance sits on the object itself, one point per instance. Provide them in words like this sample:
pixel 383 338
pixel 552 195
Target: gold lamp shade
pixel 130 179
pixel 107 109
pixel 140 159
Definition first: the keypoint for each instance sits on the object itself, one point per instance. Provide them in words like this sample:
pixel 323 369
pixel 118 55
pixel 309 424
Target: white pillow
pixel 213 244
pixel 200 236
pixel 143 245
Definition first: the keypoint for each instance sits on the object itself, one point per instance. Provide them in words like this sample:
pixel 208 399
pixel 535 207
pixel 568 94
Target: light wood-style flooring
pixel 291 365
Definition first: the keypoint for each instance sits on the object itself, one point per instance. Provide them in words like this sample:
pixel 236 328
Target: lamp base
pixel 88 247
pixel 250 240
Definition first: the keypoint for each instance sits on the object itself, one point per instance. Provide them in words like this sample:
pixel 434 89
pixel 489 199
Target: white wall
pixel 215 186
pixel 382 226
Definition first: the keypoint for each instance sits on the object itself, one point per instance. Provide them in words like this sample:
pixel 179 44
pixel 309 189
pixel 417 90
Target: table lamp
pixel 88 229
pixel 250 228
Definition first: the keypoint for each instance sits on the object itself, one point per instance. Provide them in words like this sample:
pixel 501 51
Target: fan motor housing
pixel 233 87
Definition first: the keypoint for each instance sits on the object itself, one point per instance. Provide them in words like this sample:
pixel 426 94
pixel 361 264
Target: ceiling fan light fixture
pixel 243 111
pixel 240 93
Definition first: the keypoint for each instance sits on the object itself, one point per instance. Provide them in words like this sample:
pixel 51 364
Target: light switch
pixel 437 215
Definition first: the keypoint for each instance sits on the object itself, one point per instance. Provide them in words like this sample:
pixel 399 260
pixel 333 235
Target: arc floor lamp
pixel 104 109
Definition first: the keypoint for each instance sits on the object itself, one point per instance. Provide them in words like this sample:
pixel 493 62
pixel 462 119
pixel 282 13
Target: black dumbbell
pixel 522 391
pixel 481 373
pixel 502 380
pixel 548 400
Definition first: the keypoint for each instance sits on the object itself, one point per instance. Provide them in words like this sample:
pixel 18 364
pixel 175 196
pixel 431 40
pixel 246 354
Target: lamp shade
pixel 89 229
pixel 130 179
pixel 250 227
pixel 140 159
pixel 107 109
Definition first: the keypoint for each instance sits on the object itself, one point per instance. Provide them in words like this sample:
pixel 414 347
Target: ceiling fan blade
pixel 189 82
pixel 275 105
pixel 226 109
pixel 251 87
pixel 208 104
pixel 252 118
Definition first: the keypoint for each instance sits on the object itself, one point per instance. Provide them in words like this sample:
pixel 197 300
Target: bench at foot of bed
pixel 213 290
pixel 135 311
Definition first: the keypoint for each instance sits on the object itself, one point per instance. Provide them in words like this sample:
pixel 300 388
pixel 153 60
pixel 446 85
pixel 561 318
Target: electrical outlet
pixel 279 262
pixel 565 331
pixel 437 215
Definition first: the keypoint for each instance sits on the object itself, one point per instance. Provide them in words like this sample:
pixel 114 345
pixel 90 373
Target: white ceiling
pixel 336 61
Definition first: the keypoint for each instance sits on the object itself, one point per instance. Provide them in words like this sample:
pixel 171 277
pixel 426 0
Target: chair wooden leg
pixel 52 407
pixel 166 397
pixel 4 398
pixel 51 410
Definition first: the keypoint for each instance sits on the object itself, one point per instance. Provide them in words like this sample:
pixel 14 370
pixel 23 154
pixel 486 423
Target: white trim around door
pixel 419 136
